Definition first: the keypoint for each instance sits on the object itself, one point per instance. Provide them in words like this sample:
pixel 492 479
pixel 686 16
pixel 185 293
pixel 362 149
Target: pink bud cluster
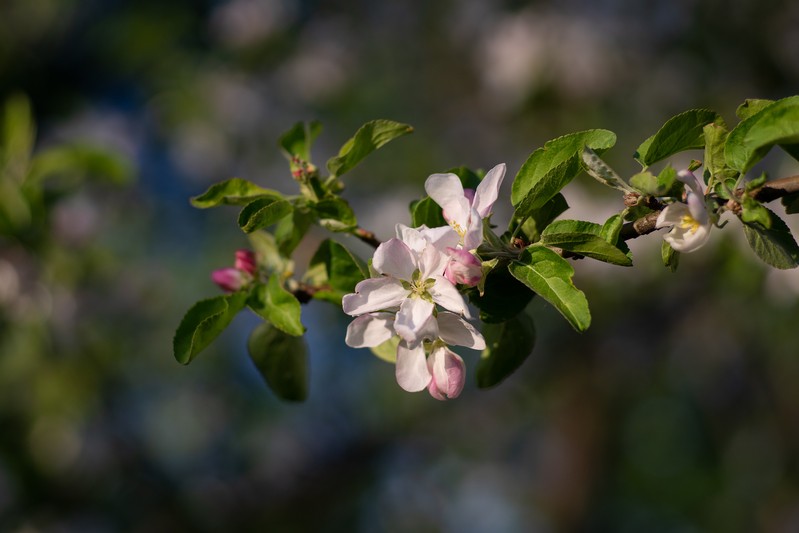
pixel 243 271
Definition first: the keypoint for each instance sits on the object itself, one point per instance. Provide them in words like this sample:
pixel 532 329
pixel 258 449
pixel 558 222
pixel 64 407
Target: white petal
pixel 442 237
pixel 374 294
pixel 412 372
pixel 488 190
pixel 412 237
pixel 370 330
pixel 688 177
pixel 672 215
pixel 684 240
pixel 452 329
pixel 697 207
pixel 447 191
pixel 474 232
pixel 447 296
pixel 432 261
pixel 395 258
pixel 412 318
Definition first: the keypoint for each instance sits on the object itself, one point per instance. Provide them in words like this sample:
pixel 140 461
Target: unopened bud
pixel 246 262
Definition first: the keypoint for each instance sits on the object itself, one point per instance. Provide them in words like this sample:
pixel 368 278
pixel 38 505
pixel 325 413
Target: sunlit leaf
pixel 204 322
pixel 367 139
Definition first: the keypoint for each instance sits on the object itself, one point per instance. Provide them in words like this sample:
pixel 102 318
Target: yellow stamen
pixel 690 223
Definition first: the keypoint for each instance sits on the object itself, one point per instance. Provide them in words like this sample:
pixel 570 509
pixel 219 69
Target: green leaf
pixel 551 167
pixel 277 305
pixel 336 269
pixel 504 296
pixel 753 212
pixel 297 141
pixel 601 171
pixel 550 276
pixel 335 214
pixel 751 106
pixel 235 191
pixel 753 137
pixel 507 346
pixel 426 211
pixel 534 224
pixel 670 256
pixel 269 255
pixel 282 360
pixel 584 238
pixel 387 351
pixel 645 182
pixel 791 203
pixel 469 178
pixel 611 229
pixel 367 139
pixel 682 132
pixel 263 212
pixel 203 323
pixel 292 228
pixel 715 164
pixel 70 165
pixel 775 246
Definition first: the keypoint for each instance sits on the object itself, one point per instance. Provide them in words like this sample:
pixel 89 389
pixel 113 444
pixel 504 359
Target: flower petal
pixel 370 330
pixel 452 329
pixel 448 374
pixel 432 261
pixel 447 191
pixel 442 237
pixel 412 372
pixel 473 237
pixel 672 215
pixel 374 294
pixel 488 190
pixel 463 267
pixel 412 318
pixel 688 177
pixel 395 258
pixel 412 237
pixel 697 207
pixel 447 296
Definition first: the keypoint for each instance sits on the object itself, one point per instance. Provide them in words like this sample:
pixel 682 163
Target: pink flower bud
pixel 246 262
pixel 463 267
pixel 449 373
pixel 229 279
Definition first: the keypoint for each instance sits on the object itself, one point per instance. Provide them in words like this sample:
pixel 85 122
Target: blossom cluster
pixel 414 297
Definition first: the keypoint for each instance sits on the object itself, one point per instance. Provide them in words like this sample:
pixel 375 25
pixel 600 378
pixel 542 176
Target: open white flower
pixel 465 210
pixel 690 221
pixel 411 283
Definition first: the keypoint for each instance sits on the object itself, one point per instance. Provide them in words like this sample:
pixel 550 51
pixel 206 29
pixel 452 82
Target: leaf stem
pixel 367 236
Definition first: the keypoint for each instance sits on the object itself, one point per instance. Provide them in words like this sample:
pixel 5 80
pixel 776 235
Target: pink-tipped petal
pixel 473 237
pixel 412 318
pixel 452 329
pixel 447 296
pixel 448 374
pixel 229 279
pixel 374 294
pixel 412 372
pixel 488 190
pixel 246 262
pixel 370 330
pixel 463 267
pixel 394 258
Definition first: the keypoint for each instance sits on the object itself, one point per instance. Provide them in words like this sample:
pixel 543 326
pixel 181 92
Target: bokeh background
pixel 677 411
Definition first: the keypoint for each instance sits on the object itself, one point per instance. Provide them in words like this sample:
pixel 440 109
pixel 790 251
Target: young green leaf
pixel 611 229
pixel 584 238
pixel 19 133
pixel 297 141
pixel 426 211
pixel 751 106
pixel 336 270
pixel 753 212
pixel 387 351
pixel 550 168
pixel 70 165
pixel 235 191
pixel 753 137
pixel 367 139
pixel 277 305
pixel 507 346
pixel 670 256
pixel 335 214
pixel 534 224
pixel 282 360
pixel 263 212
pixel 682 132
pixel 203 323
pixel 601 171
pixel 292 228
pixel 550 276
pixel 775 245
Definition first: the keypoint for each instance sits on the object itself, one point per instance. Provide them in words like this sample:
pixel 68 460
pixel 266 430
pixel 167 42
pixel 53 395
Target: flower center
pixel 420 288
pixel 689 223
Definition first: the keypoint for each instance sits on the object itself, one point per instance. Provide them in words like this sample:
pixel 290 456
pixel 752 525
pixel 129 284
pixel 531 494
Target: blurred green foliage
pixel 677 410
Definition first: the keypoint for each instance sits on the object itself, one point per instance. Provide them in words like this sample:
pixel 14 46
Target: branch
pixel 366 236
